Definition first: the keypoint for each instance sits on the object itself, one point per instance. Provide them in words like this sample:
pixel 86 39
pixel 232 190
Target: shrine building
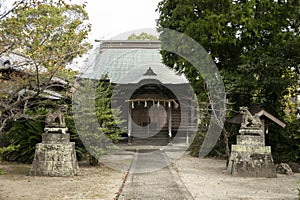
pixel 156 102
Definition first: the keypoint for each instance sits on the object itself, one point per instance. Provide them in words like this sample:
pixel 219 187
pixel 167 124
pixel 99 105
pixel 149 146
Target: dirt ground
pixel 208 179
pixel 92 183
pixel 203 178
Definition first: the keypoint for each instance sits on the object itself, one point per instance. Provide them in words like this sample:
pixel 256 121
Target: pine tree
pixel 96 122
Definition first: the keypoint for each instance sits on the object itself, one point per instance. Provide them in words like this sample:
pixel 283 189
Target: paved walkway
pixel 161 184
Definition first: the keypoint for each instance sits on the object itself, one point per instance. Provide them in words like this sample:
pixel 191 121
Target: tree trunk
pixel 227 149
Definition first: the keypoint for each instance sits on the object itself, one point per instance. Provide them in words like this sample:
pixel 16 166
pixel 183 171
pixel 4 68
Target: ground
pixel 203 178
pixel 92 183
pixel 208 179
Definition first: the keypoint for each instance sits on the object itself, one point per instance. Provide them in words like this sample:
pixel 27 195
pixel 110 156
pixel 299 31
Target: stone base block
pixel 54 138
pixel 250 140
pixel 54 160
pixel 251 161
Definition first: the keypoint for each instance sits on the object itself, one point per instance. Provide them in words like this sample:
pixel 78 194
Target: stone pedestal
pixel 55 156
pixel 250 157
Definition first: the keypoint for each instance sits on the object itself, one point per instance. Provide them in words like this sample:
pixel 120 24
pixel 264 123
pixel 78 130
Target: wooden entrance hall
pixel 153 109
pixel 156 114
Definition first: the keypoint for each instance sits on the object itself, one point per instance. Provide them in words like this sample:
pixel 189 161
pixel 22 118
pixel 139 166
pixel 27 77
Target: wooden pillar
pixel 129 126
pixel 263 130
pixel 170 119
pixel 187 138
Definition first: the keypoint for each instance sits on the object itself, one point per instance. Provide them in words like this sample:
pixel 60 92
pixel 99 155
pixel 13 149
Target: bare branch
pixel 6 13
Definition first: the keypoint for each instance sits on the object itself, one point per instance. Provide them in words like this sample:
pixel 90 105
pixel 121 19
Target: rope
pixel 176 105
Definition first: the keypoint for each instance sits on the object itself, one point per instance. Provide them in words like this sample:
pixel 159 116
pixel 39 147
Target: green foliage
pixel 20 140
pixel 108 117
pixel 97 123
pixel 244 38
pixel 49 35
pixel 49 32
pixel 194 148
pixel 8 149
pixel 74 137
pixel 255 45
pixel 142 36
pixel 294 135
pixel 23 136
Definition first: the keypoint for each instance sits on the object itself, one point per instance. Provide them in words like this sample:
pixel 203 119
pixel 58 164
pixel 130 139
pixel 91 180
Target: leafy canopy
pixel 249 40
pixel 255 45
pixel 45 36
pixel 50 33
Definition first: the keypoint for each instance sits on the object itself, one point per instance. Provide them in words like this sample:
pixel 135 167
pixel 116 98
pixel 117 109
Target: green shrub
pixel 22 136
pixel 285 142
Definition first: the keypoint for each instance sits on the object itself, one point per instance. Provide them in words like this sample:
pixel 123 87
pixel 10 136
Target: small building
pixel 15 64
pixel 155 101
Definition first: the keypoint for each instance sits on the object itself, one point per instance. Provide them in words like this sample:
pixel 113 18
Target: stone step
pixel 150 135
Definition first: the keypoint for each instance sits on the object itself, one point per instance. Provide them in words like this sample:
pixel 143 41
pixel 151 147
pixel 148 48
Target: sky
pixel 112 17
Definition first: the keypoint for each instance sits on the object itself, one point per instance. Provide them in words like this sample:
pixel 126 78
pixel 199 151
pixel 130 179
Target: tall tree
pixel 39 38
pixel 254 43
pixel 249 41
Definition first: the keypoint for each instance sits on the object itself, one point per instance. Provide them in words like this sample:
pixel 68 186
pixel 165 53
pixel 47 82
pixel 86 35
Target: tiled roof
pixel 18 61
pixel 128 61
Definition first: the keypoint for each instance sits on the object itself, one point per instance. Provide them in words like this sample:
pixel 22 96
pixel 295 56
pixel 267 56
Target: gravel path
pixel 160 184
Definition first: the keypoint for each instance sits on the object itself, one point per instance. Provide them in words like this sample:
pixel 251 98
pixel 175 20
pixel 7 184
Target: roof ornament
pixel 150 72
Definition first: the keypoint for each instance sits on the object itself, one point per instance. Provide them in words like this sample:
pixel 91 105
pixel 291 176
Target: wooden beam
pixel 271 117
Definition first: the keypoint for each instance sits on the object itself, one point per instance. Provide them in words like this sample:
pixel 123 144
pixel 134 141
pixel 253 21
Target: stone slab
pixel 62 130
pixel 251 131
pixel 249 149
